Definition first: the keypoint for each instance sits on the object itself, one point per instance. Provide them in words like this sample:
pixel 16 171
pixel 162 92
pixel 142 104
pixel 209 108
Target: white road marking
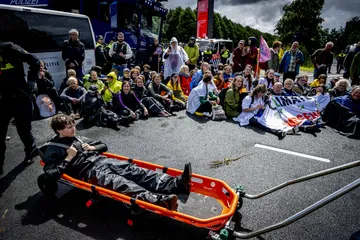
pixel 292 153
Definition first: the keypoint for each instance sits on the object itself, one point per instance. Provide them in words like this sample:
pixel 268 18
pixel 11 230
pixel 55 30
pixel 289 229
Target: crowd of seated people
pixel 142 92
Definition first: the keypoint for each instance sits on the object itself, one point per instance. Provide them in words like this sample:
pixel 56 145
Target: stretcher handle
pixel 302 213
pixel 304 178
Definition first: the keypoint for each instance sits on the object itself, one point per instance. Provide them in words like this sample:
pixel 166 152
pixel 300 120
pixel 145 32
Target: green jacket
pixel 355 67
pixel 231 102
pixel 193 53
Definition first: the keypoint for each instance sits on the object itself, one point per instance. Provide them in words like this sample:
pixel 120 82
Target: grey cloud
pixel 351 6
pixel 239 2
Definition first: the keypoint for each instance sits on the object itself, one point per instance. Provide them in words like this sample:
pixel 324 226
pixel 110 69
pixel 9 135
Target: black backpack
pixel 222 95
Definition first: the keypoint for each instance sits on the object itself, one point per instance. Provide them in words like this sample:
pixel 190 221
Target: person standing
pixel 99 52
pixel 120 52
pixel 175 56
pixel 355 70
pixel 340 60
pixel 239 57
pixel 15 99
pixel 322 56
pixel 156 51
pixel 207 55
pixel 290 62
pixel 192 50
pixel 274 61
pixel 224 54
pixel 73 53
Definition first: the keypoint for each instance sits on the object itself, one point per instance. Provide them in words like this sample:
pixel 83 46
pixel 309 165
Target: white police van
pixel 43 32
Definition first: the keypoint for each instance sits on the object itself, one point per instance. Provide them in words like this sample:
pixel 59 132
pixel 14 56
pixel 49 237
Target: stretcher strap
pixel 130 160
pixel 132 201
pixel 165 169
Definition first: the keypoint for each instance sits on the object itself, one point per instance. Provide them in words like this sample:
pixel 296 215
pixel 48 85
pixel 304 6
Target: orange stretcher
pixel 214 188
pixel 221 225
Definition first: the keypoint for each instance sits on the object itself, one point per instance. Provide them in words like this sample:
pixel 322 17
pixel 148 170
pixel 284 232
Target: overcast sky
pixel 264 14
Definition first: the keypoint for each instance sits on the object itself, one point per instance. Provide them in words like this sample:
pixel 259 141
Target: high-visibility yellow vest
pixel 341 55
pixel 5 66
pixel 225 54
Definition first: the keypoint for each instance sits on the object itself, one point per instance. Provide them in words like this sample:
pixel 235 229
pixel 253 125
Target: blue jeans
pixel 120 69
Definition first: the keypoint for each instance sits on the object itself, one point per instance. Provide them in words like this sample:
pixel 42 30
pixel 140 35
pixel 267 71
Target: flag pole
pixel 257 64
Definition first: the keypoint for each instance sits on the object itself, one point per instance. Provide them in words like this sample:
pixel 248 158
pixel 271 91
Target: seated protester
pixel 351 102
pixel 340 89
pixel 161 92
pixel 93 80
pixel 70 73
pixel 178 97
pixel 321 80
pixel 126 76
pixel 300 86
pixel 155 107
pixel 234 97
pixel 248 78
pixel 220 67
pixel 138 68
pixel 127 106
pixel 185 79
pixel 82 160
pixel 268 80
pixel 94 112
pixel 276 90
pixel 227 74
pixel 201 98
pixel 330 85
pixel 72 97
pixel 43 84
pixel 252 109
pixel 219 80
pixel 288 88
pixel 146 72
pixel 98 70
pixel 133 75
pixel 252 105
pixel 198 76
pixel 112 86
pixel 343 113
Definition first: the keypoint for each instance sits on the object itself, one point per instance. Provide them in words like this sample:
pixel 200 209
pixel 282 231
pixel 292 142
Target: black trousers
pixel 291 75
pixel 205 107
pixel 134 181
pixel 21 109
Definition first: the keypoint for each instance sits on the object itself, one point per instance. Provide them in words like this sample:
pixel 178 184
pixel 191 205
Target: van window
pixel 37 32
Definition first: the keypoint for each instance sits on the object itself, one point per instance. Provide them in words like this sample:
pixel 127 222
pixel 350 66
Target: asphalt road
pixel 26 214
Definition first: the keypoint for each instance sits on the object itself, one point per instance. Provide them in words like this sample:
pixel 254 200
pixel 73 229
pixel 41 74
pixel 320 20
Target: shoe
pixel 280 134
pixel 293 131
pixel 207 114
pixel 77 116
pixel 170 202
pixel 7 138
pixel 29 160
pixel 186 178
pixel 199 114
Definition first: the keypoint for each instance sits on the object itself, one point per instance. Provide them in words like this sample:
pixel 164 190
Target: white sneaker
pixel 295 130
pixel 207 114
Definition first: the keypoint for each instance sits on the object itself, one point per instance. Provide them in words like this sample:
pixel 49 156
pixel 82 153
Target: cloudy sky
pixel 264 14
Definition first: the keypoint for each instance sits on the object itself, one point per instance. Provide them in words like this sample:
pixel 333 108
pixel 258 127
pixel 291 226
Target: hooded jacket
pixel 175 59
pixel 115 86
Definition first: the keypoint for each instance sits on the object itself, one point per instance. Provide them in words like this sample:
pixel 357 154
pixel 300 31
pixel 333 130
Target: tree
pixel 171 23
pixel 301 22
pixel 186 25
pixel 217 31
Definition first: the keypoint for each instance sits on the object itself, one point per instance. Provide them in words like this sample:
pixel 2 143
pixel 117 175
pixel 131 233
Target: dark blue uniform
pixel 15 100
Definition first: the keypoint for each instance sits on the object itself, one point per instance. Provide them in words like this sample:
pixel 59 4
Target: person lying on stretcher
pixel 80 158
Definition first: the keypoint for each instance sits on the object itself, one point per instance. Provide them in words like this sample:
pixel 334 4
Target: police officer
pixel 340 61
pixel 207 55
pixel 15 100
pixel 99 52
pixel 224 54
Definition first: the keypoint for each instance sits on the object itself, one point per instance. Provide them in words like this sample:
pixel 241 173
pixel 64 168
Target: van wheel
pixel 47 185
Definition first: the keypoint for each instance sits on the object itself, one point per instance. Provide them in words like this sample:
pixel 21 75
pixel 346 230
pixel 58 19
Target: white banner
pixel 285 113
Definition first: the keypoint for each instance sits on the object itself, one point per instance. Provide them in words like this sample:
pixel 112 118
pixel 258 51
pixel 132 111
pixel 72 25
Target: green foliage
pixel 181 23
pixel 301 22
